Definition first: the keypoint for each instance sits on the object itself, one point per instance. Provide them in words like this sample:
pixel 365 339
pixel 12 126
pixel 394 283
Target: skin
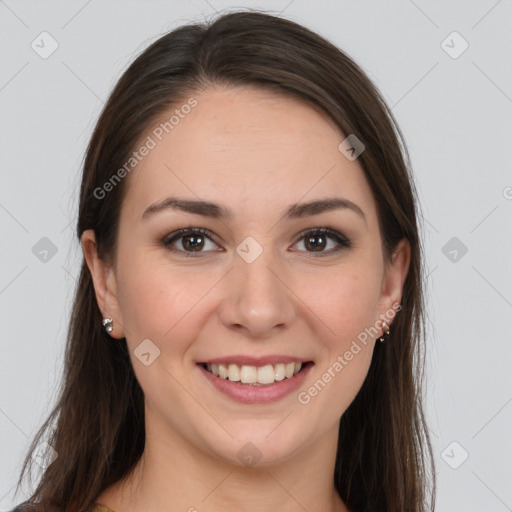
pixel 256 153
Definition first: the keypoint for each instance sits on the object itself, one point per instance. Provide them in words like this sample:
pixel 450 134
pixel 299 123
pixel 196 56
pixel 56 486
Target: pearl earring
pixel 108 325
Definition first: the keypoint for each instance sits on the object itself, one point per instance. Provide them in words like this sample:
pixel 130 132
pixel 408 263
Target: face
pixel 261 282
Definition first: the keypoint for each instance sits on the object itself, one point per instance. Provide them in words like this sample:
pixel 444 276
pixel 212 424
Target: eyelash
pixel 344 243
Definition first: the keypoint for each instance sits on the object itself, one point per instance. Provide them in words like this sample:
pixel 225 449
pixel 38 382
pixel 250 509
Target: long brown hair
pixel 384 459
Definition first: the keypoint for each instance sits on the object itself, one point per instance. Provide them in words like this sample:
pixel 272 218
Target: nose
pixel 258 300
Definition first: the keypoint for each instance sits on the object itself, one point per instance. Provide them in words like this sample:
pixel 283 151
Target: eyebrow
pixel 216 211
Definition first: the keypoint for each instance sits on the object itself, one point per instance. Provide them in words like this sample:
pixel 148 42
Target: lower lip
pixel 247 394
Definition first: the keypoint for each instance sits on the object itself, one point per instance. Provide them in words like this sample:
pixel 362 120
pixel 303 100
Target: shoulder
pixel 27 506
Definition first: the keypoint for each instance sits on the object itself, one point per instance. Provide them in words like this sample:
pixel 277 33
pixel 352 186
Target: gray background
pixel 456 115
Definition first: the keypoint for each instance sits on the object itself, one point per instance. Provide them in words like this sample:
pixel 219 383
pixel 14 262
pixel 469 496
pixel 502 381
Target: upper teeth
pixel 254 374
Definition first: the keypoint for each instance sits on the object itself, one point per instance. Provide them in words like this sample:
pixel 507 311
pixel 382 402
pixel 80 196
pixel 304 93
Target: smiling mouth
pixel 256 375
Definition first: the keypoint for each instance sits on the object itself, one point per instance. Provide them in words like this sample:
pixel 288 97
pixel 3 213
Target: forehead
pixel 245 147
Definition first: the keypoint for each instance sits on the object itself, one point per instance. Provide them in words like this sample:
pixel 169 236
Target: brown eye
pixel 193 242
pixel 189 241
pixel 317 240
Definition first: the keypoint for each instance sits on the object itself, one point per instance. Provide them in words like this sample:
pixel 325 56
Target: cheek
pixel 345 299
pixel 347 304
pixel 161 305
pixel 151 298
pixel 162 302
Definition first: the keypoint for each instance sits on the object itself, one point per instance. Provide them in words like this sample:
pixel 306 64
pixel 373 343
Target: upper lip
pixel 255 361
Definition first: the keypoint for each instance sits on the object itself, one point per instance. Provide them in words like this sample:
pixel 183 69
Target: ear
pixel 394 278
pixel 104 280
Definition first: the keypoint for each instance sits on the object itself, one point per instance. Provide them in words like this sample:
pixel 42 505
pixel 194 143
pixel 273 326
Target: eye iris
pixel 311 240
pixel 194 238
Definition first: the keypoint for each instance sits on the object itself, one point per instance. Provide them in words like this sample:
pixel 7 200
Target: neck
pixel 174 475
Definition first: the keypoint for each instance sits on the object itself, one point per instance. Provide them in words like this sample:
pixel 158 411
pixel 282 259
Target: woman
pixel 248 324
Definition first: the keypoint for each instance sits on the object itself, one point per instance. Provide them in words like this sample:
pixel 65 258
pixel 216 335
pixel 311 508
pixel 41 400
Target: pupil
pixel 316 247
pixel 194 239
